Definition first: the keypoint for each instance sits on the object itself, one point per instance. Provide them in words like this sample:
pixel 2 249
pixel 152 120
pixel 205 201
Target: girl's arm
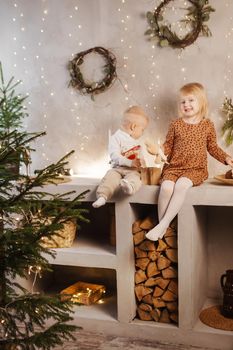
pixel 213 148
pixel 168 144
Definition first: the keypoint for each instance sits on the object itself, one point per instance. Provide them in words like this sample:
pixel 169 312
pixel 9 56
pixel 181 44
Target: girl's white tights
pixel 171 198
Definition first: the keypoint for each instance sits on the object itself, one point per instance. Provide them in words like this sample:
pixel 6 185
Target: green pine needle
pixel 28 213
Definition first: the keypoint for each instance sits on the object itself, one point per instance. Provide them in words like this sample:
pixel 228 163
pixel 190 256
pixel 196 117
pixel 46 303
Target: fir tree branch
pixel 27 214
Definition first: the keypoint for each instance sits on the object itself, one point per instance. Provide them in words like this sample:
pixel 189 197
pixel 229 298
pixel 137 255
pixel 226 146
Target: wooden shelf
pixel 161 325
pixel 104 310
pixel 201 327
pixel 85 252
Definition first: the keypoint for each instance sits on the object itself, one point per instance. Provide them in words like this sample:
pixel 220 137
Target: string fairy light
pixel 20 19
pixel 5 313
pixel 36 270
pixel 74 28
pixel 49 93
pixel 128 51
pixel 227 75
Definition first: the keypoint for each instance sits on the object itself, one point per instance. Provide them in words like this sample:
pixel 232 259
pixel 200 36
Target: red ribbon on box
pixel 132 153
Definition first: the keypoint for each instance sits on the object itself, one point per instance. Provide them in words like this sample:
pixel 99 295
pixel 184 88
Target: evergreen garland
pixel 227 129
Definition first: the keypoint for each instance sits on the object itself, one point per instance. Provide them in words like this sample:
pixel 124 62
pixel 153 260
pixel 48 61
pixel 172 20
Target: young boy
pixel 124 152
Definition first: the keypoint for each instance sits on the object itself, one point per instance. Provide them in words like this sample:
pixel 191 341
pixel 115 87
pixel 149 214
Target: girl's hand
pixel 229 161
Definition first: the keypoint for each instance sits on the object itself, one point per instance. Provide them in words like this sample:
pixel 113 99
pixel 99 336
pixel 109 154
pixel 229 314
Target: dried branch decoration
pixel 95 87
pixel 227 128
pixel 198 14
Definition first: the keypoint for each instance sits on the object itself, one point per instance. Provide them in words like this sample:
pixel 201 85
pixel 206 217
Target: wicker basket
pixel 63 238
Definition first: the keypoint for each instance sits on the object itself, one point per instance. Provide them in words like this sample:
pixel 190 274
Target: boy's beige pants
pixel 111 181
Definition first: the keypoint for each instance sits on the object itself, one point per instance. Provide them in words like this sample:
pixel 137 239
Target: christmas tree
pixel 12 114
pixel 12 109
pixel 28 213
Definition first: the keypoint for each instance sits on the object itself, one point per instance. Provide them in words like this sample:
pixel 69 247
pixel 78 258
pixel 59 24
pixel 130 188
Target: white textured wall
pixel 38 37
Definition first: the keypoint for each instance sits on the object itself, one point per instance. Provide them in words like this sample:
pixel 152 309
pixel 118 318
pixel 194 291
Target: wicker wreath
pixel 96 87
pixel 198 14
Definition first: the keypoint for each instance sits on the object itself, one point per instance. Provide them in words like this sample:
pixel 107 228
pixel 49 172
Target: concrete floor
pixel 89 341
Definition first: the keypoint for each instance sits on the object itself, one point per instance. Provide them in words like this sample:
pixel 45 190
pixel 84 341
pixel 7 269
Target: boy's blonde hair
pixel 197 90
pixel 134 114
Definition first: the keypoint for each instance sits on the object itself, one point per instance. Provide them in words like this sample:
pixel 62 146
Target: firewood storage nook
pixel 109 251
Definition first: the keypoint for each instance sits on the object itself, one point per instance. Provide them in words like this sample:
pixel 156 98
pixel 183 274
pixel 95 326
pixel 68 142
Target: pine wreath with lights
pixel 78 81
pixel 198 14
pixel 227 128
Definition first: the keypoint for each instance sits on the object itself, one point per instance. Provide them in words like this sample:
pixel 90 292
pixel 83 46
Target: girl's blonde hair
pixel 197 90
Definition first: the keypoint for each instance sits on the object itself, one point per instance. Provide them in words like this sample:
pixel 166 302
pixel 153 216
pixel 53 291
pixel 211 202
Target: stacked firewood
pixel 156 277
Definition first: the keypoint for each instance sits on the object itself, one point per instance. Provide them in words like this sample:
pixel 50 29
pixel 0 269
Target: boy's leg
pixel 175 204
pixel 99 202
pixel 107 186
pixel 131 182
pixel 165 194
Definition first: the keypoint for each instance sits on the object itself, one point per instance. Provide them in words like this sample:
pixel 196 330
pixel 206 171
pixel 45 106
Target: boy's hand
pixel 136 163
pixel 151 147
pixel 229 161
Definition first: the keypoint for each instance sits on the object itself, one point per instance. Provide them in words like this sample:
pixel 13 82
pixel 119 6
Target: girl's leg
pixel 175 204
pixel 165 194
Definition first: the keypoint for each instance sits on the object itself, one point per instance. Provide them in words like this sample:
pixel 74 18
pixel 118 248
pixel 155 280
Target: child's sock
pixel 99 202
pixel 126 186
pixel 157 232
